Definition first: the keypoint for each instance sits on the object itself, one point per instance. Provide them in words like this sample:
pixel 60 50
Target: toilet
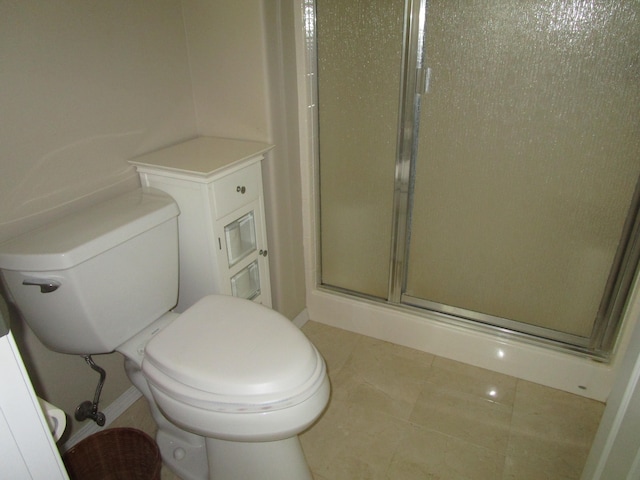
pixel 230 383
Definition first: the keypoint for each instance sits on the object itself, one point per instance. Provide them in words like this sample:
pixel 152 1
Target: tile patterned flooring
pixel 400 414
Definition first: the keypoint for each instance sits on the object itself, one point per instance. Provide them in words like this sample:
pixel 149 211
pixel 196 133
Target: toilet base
pixel 277 460
pixel 186 457
pixel 183 452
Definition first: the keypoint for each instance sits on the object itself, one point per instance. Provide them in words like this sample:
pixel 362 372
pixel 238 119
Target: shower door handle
pixel 423 80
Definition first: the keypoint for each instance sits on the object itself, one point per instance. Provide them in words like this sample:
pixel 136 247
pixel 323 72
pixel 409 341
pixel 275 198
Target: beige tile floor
pixel 400 414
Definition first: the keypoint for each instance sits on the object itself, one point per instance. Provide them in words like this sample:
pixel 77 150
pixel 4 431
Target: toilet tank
pixel 90 281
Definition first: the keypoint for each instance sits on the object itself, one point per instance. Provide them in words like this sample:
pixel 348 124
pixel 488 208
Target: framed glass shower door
pixel 360 45
pixel 480 159
pixel 528 159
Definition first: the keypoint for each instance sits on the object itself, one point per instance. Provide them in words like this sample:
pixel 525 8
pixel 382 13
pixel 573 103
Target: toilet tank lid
pixel 77 237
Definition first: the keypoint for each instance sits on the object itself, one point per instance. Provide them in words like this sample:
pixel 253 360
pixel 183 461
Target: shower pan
pixel 480 159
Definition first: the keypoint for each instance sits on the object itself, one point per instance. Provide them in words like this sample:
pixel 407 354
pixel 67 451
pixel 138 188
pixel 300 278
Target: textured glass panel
pixel 359 64
pixel 240 237
pixel 529 155
pixel 246 283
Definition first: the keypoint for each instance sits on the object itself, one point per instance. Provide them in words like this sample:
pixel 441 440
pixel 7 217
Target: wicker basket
pixel 114 454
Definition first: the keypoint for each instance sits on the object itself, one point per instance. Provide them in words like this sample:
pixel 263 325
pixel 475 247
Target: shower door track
pixel 502 324
pixel 485 324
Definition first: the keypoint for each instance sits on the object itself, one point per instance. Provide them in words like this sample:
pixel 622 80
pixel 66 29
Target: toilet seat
pixel 227 354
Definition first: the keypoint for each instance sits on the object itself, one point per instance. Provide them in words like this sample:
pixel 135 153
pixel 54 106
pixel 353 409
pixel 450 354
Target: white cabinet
pixel 27 449
pixel 217 184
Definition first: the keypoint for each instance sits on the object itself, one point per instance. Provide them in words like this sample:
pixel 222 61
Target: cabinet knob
pixel 263 253
pixel 241 189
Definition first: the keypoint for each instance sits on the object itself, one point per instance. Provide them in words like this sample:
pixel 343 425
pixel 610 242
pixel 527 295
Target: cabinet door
pixel 242 254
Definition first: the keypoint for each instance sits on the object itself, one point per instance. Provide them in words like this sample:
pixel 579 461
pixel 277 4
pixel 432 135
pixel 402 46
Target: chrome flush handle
pixel 46 285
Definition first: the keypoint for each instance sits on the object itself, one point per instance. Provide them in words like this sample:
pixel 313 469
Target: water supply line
pixel 89 409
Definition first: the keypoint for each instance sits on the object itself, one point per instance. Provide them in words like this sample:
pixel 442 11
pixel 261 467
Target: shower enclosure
pixel 480 159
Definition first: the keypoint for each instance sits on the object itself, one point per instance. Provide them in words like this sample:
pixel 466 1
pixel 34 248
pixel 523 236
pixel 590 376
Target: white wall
pixel 86 84
pixel 226 53
pixel 242 57
pixel 615 453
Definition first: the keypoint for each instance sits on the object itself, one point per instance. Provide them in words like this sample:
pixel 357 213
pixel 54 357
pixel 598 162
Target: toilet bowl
pixel 230 383
pixel 252 403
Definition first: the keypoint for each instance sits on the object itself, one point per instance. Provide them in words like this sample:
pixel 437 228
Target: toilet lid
pixel 226 353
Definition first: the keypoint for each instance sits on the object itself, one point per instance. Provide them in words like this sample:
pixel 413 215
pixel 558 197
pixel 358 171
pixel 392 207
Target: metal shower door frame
pixel 415 77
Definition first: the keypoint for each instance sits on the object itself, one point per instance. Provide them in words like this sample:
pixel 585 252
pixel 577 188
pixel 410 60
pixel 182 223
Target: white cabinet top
pixel 201 156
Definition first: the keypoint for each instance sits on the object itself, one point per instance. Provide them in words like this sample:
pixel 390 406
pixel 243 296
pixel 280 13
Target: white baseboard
pixel 301 319
pixel 113 411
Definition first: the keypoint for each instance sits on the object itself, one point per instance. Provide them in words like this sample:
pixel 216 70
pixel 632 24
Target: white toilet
pixel 230 383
